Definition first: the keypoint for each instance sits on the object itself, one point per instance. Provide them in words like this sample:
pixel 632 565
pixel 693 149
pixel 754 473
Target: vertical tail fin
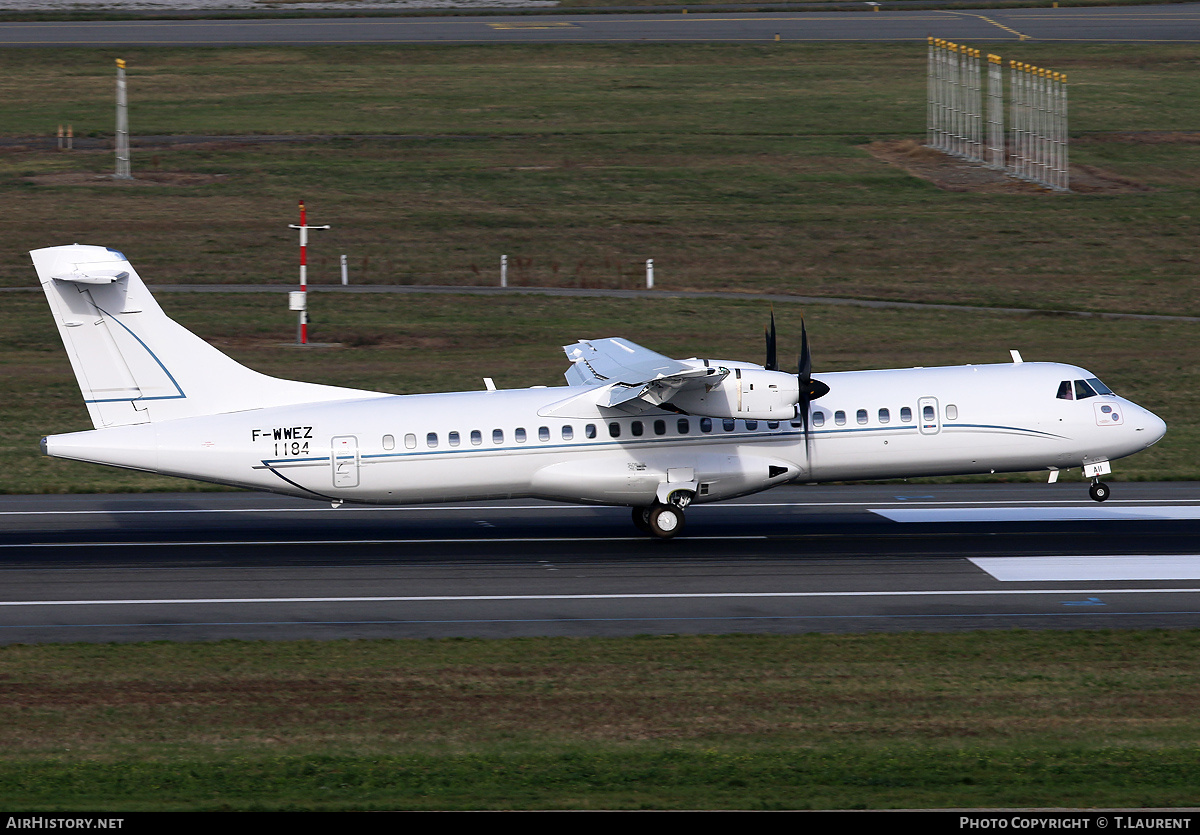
pixel 136 365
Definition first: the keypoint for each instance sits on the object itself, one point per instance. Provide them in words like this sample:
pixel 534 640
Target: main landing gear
pixel 663 520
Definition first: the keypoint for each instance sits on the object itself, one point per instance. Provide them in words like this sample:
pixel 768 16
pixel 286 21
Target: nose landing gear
pixel 1099 491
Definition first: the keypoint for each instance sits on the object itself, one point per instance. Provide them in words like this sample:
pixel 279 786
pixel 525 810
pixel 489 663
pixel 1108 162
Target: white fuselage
pixel 492 444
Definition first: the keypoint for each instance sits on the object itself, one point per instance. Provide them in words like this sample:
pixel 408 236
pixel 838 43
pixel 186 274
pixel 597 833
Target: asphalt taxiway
pixel 1174 23
pixel 797 559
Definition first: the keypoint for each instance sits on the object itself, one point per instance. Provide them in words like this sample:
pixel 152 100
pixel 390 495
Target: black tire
pixel 641 519
pixel 1099 491
pixel 666 521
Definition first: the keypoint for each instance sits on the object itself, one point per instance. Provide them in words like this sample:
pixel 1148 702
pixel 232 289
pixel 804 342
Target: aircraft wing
pixel 603 361
pixel 633 378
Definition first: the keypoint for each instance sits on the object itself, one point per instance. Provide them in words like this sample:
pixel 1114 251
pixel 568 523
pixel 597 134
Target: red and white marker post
pixel 300 302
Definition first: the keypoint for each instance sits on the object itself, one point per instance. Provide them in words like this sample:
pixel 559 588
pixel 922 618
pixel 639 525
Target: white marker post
pixel 301 304
pixel 503 270
pixel 649 273
pixel 345 272
pixel 123 171
pixel 995 113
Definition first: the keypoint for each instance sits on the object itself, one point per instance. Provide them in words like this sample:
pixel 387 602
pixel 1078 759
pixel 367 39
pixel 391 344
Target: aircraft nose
pixel 1152 426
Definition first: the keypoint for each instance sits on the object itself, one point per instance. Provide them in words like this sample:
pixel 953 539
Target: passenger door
pixel 928 416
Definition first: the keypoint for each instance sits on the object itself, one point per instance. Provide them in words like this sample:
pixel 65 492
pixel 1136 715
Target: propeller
pixel 772 364
pixel 810 389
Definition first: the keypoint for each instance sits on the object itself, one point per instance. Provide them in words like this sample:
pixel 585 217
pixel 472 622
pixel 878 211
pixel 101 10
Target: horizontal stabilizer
pixel 93 276
pixel 136 365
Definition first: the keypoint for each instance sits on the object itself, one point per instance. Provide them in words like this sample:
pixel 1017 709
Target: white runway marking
pixel 1127 567
pixel 1038 514
pixel 483 598
pixel 1050 505
pixel 225 543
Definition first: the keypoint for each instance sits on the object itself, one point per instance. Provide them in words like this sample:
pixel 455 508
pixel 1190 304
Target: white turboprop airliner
pixel 632 428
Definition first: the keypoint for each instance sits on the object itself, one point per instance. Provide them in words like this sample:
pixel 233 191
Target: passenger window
pixel 614 430
pixel 568 432
pixel 497 436
pixel 951 412
pixel 818 419
pixel 389 442
pixel 862 416
pixel 1082 390
pixel 905 414
pixel 519 435
pixel 453 439
pixel 637 428
pixel 410 441
pixel 590 430
pixel 772 424
pixel 752 425
pixel 476 437
pixel 660 427
pixel 1064 391
pixel 431 440
pixel 705 424
pixel 683 426
pixel 728 424
pixel 885 416
pixel 839 417
pixel 927 414
pixel 543 433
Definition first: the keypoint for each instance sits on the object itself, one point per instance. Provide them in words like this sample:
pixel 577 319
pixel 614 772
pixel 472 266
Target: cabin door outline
pixel 344 460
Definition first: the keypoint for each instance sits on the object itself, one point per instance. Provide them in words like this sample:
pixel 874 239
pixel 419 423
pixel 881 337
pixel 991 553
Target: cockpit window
pixel 1080 389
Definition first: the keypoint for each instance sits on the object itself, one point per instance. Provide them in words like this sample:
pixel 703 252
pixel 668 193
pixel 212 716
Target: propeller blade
pixel 810 389
pixel 805 362
pixel 772 363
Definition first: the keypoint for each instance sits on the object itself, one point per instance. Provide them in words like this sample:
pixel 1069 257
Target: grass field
pixel 734 168
pixel 984 720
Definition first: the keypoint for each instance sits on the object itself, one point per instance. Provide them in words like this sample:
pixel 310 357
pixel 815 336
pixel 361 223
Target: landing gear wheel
pixel 641 519
pixel 1099 491
pixel 665 521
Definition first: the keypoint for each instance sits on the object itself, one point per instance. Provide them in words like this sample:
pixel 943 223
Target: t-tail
pixel 136 365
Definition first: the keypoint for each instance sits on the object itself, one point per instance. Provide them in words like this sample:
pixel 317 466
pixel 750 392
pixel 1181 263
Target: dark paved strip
pixel 796 559
pixel 1178 23
pixel 779 298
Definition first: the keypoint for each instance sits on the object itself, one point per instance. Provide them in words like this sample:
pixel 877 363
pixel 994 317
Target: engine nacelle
pixel 747 393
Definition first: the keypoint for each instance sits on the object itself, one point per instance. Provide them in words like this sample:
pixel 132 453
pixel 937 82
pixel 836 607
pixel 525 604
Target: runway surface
pixel 796 559
pixel 1178 23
